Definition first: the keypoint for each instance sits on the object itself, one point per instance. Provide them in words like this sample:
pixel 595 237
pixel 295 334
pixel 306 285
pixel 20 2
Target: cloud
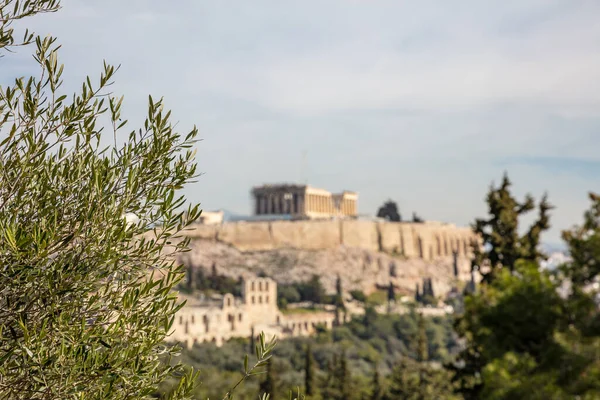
pixel 557 166
pixel 425 102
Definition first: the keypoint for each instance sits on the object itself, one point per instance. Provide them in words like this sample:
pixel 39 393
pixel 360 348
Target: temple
pixel 303 202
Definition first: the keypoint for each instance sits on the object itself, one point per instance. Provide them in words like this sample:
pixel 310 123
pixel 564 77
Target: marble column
pixel 277 200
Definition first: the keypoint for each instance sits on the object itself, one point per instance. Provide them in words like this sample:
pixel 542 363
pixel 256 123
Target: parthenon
pixel 303 201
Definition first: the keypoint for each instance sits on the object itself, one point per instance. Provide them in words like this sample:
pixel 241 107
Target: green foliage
pixel 426 295
pixel 217 283
pixel 338 385
pixel 267 385
pixel 416 218
pixel 389 211
pixel 517 307
pixel 377 390
pixel 419 381
pixel 500 232
pixel 85 295
pixel 358 295
pixel 525 341
pixel 311 290
pixel 309 372
pixel 14 10
pixel 391 337
pixel 377 297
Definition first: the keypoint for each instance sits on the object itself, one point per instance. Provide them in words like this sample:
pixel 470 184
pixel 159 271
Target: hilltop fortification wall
pixel 426 241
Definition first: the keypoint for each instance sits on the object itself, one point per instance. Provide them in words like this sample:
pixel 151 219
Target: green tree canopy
pixel 85 290
pixel 389 211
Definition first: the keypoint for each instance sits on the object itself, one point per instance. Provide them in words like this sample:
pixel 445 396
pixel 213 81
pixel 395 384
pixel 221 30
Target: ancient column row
pixel 279 203
pixel 348 207
pixel 319 203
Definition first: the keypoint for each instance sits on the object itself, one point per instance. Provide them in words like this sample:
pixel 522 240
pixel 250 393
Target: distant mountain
pixel 232 216
pixel 550 248
pixel 555 260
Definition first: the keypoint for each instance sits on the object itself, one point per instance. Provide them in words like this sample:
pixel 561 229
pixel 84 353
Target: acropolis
pixel 303 202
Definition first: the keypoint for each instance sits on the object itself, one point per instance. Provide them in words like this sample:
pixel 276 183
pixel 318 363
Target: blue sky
pixel 424 102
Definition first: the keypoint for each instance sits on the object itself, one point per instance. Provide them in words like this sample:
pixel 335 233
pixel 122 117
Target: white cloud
pixel 411 100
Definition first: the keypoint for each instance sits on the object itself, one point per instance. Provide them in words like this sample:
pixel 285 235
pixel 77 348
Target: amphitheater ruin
pixel 224 317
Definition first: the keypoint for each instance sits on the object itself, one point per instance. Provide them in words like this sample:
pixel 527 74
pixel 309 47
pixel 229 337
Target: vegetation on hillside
pixel 354 351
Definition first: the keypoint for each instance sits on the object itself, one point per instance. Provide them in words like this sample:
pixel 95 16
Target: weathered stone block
pixel 361 234
pixel 199 231
pixel 247 236
pixel 309 235
pixel 390 237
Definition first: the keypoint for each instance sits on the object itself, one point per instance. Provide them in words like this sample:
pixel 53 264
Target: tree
pixel 391 296
pixel 309 372
pixel 344 378
pixel 314 290
pixel 89 234
pixel 389 211
pixel 422 354
pixel 416 218
pixel 267 385
pixel 339 296
pixel 581 329
pixel 377 390
pixel 513 289
pixel 404 383
pixel 338 385
pixel 455 263
pixel 418 296
pixel 500 232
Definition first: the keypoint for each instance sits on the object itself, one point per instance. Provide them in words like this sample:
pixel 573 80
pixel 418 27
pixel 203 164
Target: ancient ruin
pixel 303 202
pixel 221 318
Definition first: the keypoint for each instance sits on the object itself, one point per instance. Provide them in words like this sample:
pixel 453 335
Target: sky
pixel 423 102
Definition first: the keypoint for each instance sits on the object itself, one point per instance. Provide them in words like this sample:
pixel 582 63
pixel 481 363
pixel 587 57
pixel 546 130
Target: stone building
pixel 211 217
pixel 303 201
pixel 220 318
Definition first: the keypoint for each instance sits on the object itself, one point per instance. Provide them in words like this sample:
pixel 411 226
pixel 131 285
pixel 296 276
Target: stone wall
pixel 426 241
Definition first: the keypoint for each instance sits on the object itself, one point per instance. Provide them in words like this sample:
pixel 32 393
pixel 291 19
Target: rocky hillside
pixel 359 268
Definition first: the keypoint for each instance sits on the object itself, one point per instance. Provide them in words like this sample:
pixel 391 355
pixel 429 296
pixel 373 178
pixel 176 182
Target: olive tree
pixel 86 296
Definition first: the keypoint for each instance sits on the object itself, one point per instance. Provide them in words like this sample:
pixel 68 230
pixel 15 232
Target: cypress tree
pixel 339 300
pixel 422 356
pixel 430 286
pixel 309 372
pixel 391 296
pixel 345 379
pixel 455 263
pixel 403 385
pixel 417 294
pixel 377 389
